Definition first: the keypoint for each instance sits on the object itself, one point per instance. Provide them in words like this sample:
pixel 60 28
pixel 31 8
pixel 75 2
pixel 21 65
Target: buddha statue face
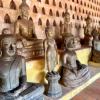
pixel 50 32
pixel 24 9
pixel 69 43
pixel 8 45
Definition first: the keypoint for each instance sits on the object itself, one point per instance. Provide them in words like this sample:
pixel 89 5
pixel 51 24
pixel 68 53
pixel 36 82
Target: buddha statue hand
pixel 26 42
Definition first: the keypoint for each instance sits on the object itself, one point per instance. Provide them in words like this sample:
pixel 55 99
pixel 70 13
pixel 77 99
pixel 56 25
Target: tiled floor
pixel 90 93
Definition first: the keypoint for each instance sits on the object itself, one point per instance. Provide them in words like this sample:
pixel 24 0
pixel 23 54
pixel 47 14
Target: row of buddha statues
pixel 30 46
pixel 19 47
pixel 13 84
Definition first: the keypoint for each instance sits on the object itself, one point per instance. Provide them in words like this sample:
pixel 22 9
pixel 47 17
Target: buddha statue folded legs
pixel 13 85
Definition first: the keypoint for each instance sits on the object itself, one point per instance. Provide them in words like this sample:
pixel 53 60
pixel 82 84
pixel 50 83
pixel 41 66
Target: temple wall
pixel 77 8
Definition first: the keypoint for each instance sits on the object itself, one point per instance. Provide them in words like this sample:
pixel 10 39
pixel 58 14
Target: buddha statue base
pixel 53 89
pixel 33 92
pixel 71 80
pixel 32 51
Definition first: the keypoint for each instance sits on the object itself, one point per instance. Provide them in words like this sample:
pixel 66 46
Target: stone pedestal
pixel 54 89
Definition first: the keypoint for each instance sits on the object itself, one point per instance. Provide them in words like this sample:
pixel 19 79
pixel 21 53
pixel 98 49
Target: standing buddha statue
pixel 51 60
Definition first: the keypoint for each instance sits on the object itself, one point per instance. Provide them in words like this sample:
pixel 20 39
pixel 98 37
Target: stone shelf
pixel 69 93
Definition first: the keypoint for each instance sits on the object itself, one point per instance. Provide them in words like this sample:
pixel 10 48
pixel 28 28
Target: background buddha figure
pixel 24 29
pixel 66 30
pixel 95 57
pixel 13 85
pixel 88 32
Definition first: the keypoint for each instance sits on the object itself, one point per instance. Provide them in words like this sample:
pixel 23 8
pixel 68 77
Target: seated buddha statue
pixel 88 38
pixel 25 33
pixel 96 49
pixel 13 85
pixel 66 29
pixel 73 72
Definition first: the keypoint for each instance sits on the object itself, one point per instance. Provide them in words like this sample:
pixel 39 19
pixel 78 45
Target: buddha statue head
pixel 24 9
pixel 88 20
pixel 70 43
pixel 67 16
pixel 49 32
pixel 8 46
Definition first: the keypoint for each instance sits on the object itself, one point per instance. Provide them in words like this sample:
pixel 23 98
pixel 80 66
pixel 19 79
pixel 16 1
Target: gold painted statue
pixel 25 29
pixel 28 45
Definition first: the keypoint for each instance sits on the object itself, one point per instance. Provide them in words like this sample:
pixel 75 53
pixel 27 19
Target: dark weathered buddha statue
pixel 66 30
pixel 13 85
pixel 74 73
pixel 25 33
pixel 88 32
pixel 96 49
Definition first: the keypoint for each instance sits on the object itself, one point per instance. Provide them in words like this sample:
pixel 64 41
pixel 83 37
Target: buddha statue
pixel 96 49
pixel 13 85
pixel 66 31
pixel 88 38
pixel 51 60
pixel 25 33
pixel 73 72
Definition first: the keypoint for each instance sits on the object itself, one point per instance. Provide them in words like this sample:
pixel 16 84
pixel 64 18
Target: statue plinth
pixel 54 89
pixel 33 51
